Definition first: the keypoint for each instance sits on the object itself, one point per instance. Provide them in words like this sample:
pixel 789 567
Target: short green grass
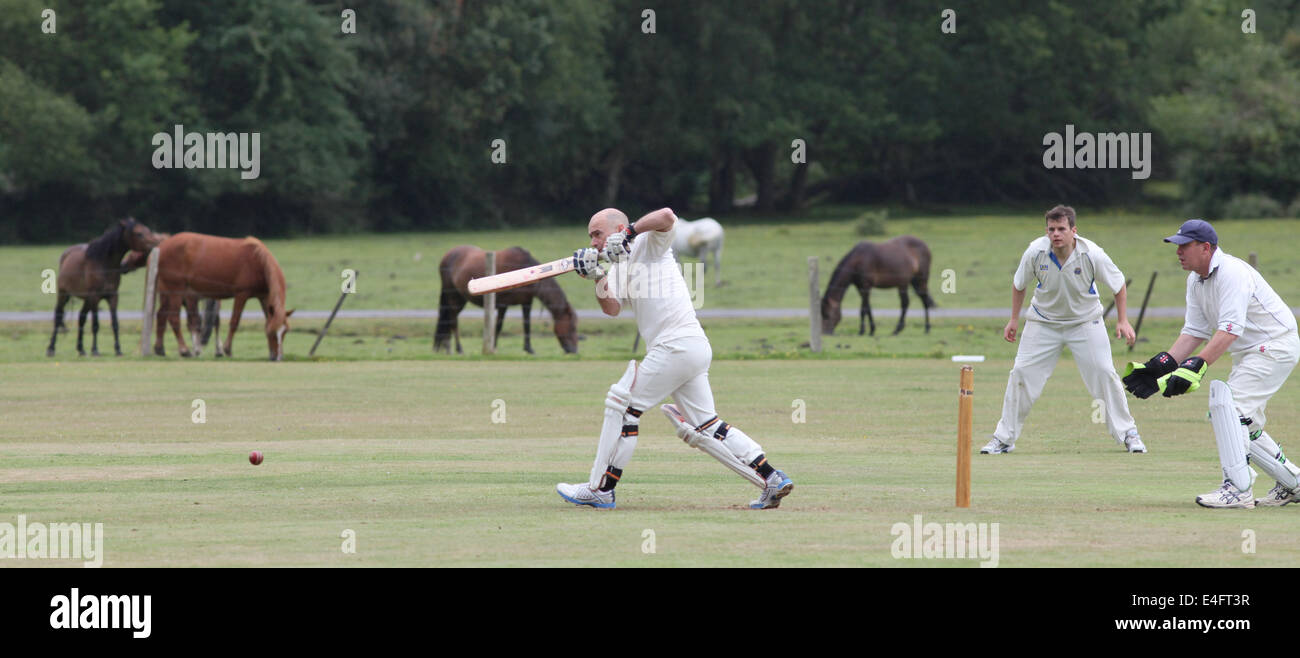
pixel 781 338
pixel 406 454
pixel 764 264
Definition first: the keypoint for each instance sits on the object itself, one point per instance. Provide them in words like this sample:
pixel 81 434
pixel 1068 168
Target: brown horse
pixel 211 307
pixel 467 262
pixel 92 271
pixel 892 264
pixel 193 265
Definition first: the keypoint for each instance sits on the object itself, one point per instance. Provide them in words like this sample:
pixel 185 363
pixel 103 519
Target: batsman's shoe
pixel 996 447
pixel 1227 497
pixel 581 494
pixel 778 486
pixel 1277 497
pixel 1133 442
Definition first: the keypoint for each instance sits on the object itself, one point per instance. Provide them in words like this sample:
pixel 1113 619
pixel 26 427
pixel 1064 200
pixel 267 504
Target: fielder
pixel 1232 306
pixel 644 276
pixel 1065 312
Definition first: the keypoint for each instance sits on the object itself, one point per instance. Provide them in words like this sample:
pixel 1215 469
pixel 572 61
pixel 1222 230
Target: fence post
pixel 814 307
pixel 489 310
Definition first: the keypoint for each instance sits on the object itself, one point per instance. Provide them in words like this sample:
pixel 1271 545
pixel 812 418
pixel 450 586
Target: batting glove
pixel 1185 379
pixel 619 245
pixel 1142 379
pixel 587 266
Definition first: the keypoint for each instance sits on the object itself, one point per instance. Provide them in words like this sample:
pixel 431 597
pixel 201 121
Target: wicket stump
pixel 965 410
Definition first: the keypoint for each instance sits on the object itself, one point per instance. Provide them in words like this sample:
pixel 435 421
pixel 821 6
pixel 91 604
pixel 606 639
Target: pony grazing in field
pixel 700 239
pixel 469 262
pixel 93 271
pixel 193 265
pixel 211 307
pixel 892 264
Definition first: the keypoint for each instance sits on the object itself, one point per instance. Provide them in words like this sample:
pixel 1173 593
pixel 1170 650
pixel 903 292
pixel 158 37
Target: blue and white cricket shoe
pixel 778 486
pixel 581 494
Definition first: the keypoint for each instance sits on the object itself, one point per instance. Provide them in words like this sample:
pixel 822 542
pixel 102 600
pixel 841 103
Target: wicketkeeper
pixel 644 276
pixel 1232 306
pixel 1065 312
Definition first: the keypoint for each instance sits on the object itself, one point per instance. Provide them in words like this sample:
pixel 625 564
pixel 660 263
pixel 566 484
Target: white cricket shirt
pixel 1236 299
pixel 650 283
pixel 1066 293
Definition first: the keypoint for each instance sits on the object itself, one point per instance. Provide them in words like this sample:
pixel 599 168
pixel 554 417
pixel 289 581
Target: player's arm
pixel 605 297
pixel 1017 301
pixel 1184 346
pixel 659 220
pixel 1122 328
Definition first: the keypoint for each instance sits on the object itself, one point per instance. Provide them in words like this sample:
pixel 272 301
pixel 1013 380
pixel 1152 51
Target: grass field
pixel 406 455
pixel 380 436
pixel 764 264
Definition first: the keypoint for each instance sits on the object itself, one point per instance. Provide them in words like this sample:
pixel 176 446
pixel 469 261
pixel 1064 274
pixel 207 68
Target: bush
pixel 871 223
pixel 1252 206
pixel 1294 209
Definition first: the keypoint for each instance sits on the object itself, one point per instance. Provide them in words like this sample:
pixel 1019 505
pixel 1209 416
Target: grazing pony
pixel 211 307
pixel 193 265
pixel 700 239
pixel 892 264
pixel 469 262
pixel 93 271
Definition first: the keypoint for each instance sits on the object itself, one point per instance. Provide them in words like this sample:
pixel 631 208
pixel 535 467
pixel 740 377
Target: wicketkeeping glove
pixel 1185 379
pixel 1142 379
pixel 619 245
pixel 587 266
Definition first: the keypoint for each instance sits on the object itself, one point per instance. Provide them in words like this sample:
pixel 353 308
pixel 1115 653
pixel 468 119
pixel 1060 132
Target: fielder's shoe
pixel 996 447
pixel 778 486
pixel 1277 497
pixel 581 494
pixel 1133 442
pixel 1227 497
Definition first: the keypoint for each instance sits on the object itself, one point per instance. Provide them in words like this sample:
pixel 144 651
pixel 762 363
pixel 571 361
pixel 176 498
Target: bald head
pixel 603 224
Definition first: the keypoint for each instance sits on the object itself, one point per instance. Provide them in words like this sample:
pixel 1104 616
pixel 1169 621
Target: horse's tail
pixel 448 310
pixel 921 277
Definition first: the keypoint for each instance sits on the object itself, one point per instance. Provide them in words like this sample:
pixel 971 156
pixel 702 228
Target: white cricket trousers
pixel 1040 348
pixel 1258 374
pixel 680 367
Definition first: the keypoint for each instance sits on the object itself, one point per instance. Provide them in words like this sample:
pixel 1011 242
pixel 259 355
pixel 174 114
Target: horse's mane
pixel 101 248
pixel 839 277
pixel 274 278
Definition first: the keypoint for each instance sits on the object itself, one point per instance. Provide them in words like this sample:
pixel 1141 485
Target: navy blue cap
pixel 1194 229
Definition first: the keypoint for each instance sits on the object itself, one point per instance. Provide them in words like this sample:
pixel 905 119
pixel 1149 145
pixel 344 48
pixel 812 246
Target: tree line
pixel 446 114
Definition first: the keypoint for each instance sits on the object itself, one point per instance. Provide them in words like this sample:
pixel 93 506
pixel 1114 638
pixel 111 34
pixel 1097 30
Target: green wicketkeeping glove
pixel 1185 379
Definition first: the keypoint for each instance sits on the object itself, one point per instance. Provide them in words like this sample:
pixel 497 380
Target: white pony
pixel 698 239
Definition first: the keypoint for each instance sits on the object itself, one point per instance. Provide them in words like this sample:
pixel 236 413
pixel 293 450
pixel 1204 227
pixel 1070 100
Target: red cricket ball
pixel 255 457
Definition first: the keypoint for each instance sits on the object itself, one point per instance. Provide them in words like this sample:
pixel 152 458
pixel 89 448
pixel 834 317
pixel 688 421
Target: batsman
pixel 643 276
pixel 1234 308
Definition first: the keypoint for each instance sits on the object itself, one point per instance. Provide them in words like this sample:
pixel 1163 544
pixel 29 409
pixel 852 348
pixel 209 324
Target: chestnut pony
pixel 193 265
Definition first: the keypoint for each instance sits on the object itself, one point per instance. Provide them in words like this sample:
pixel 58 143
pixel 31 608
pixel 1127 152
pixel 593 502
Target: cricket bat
pixel 522 277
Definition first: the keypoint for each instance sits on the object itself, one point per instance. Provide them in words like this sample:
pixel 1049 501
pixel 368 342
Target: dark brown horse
pixel 93 271
pixel 467 262
pixel 892 264
pixel 193 265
